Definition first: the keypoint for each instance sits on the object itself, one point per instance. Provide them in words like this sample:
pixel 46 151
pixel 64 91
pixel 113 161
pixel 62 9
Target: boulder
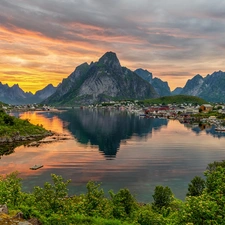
pixel 4 209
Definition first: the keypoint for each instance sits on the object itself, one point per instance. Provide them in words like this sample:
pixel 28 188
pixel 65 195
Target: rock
pixel 104 80
pixel 19 215
pixel 34 221
pixel 24 223
pixel 4 209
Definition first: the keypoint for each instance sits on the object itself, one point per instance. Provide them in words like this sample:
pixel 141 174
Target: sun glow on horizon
pixel 42 43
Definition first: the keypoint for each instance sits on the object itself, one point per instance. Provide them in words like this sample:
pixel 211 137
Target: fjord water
pixel 118 149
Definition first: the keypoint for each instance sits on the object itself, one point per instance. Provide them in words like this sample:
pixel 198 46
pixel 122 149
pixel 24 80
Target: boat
pixel 35 167
pixel 220 128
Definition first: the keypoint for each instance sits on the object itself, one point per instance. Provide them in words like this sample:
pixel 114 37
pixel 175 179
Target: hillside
pixel 211 88
pixel 161 87
pixel 13 129
pixel 177 99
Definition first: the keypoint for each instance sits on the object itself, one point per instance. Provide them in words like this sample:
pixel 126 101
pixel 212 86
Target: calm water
pixel 118 149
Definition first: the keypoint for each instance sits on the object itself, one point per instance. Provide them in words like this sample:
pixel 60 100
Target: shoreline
pixel 20 138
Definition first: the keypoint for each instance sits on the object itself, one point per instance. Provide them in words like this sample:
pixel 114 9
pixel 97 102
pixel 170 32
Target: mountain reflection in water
pixel 148 152
pixel 106 129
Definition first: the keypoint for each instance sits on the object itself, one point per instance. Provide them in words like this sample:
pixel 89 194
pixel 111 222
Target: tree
pixel 124 203
pixel 196 187
pixel 162 196
pixel 209 207
pixel 94 199
pixel 52 196
pixel 212 166
pixel 10 189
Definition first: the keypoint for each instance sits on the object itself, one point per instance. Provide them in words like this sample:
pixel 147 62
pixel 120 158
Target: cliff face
pixel 161 87
pixel 101 81
pixel 45 92
pixel 193 86
pixel 211 88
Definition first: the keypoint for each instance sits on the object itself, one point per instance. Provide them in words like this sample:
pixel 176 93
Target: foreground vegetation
pixel 11 126
pixel 204 204
pixel 14 132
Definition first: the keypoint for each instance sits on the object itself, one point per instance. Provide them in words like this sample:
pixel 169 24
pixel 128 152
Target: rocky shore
pixel 8 144
pixel 20 138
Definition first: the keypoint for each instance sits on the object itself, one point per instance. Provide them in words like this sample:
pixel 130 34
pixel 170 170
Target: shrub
pixel 196 187
pixel 124 203
pixel 94 199
pixel 52 198
pixel 10 189
pixel 148 217
pixel 162 196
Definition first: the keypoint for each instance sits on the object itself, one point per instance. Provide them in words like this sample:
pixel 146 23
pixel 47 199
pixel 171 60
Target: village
pixel 186 112
pixel 211 114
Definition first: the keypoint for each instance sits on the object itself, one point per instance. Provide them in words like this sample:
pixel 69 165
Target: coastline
pixel 21 138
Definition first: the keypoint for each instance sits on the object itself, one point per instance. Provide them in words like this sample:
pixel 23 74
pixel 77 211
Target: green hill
pixel 14 131
pixel 176 99
pixel 2 104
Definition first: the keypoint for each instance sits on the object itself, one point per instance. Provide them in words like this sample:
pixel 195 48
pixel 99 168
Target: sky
pixel 43 41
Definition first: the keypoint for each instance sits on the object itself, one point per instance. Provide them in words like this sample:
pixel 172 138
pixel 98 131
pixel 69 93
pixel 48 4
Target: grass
pixel 11 126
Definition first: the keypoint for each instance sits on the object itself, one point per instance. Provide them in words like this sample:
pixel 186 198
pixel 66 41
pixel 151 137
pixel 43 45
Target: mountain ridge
pixel 103 80
pixel 161 87
pixel 107 80
pixel 210 88
pixel 15 95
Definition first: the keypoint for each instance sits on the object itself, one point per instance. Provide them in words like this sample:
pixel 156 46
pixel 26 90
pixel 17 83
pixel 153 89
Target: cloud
pixel 159 35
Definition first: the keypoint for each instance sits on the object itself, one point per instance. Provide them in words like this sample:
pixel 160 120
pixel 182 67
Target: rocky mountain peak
pixel 45 92
pixel 145 74
pixel 161 87
pixel 104 80
pixel 15 86
pixel 110 60
pixel 193 86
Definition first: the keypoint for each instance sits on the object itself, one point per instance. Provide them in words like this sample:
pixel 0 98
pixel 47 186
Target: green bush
pixel 162 196
pixel 10 189
pixel 123 204
pixel 52 197
pixel 196 187
pixel 148 217
pixel 94 200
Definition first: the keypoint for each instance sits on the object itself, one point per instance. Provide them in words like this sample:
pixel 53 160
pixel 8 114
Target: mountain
pixel 193 86
pixel 161 87
pixel 145 74
pixel 103 80
pixel 177 91
pixel 210 88
pixel 45 92
pixel 15 95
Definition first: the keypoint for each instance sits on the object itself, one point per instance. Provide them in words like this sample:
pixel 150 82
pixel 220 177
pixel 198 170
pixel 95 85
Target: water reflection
pixel 106 129
pixel 47 119
pixel 151 152
pixel 208 129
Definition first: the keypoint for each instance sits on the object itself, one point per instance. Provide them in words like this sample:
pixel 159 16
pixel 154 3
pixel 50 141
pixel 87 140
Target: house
pixel 206 107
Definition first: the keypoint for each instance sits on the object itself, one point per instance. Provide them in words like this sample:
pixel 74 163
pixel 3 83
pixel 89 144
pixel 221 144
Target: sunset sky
pixel 42 41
